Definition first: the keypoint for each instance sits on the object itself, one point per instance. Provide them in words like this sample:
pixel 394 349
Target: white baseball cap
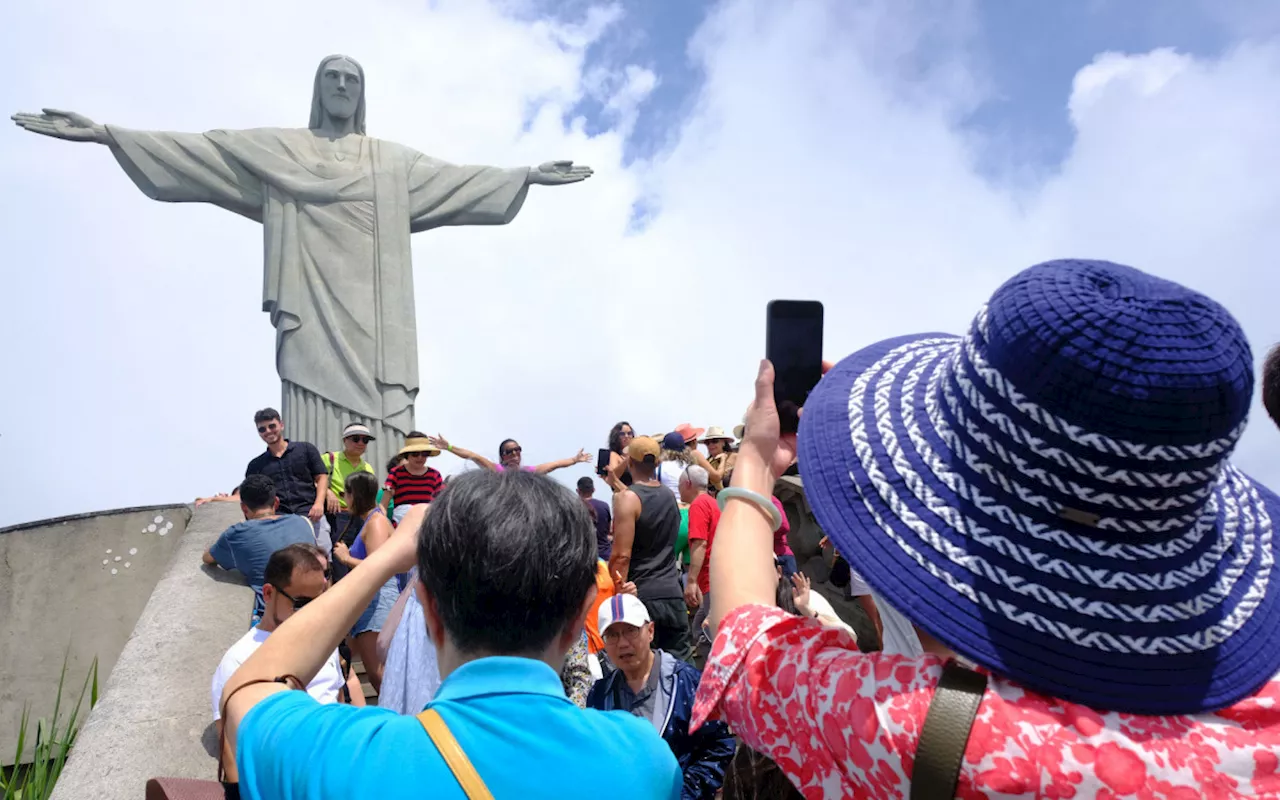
pixel 621 608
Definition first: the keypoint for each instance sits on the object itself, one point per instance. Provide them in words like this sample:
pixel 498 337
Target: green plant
pixel 53 740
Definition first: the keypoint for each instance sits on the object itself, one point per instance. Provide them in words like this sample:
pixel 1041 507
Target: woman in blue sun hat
pixel 1049 500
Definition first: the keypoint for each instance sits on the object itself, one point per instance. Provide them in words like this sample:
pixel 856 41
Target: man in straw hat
pixel 1049 498
pixel 413 481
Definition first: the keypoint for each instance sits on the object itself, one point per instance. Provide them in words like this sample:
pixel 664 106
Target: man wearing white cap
pixel 355 440
pixel 656 686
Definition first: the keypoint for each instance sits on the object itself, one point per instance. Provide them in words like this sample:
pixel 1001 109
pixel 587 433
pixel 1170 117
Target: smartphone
pixel 793 343
pixel 602 461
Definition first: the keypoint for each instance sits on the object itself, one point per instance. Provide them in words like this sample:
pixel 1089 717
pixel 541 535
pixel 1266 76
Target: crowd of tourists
pixel 1067 583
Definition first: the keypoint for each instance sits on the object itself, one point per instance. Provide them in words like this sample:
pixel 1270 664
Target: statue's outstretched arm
pixel 63 125
pixel 558 173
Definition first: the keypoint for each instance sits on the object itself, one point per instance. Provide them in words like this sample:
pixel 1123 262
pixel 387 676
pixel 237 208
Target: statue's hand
pixel 61 125
pixel 558 173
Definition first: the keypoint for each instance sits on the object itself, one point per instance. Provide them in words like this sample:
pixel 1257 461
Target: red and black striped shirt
pixel 407 488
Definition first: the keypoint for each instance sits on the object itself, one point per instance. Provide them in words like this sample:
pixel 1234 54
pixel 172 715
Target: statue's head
pixel 339 91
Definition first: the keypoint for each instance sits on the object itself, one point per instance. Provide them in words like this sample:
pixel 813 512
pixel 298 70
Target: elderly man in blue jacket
pixel 659 687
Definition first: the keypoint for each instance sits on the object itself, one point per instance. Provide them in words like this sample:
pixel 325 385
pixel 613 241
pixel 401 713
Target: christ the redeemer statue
pixel 337 208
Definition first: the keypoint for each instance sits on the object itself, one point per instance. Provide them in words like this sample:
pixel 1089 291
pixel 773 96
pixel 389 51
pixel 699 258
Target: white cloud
pixel 823 160
pixel 1121 78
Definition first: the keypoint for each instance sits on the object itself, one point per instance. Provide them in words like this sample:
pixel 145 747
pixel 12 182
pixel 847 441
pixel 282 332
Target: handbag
pixel 945 733
pixel 470 781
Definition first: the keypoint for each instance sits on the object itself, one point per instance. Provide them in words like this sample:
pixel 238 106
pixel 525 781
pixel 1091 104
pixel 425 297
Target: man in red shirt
pixel 704 515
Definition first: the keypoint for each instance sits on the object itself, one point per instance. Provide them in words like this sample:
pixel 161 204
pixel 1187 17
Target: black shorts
pixel 671 627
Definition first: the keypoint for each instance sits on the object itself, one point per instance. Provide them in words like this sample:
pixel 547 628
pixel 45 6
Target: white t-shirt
pixel 899 637
pixel 324 687
pixel 669 473
pixel 826 613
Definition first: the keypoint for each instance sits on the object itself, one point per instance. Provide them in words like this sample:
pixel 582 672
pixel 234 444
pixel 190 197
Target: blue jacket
pixel 704 755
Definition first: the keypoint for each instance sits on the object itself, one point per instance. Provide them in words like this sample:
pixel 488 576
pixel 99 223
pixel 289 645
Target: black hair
pixel 361 490
pixel 755 776
pixel 587 484
pixel 785 596
pixel 615 436
pixel 283 562
pixel 415 435
pixel 509 558
pixel 257 492
pixel 394 462
pixel 1271 384
pixel 265 415
pixel 504 444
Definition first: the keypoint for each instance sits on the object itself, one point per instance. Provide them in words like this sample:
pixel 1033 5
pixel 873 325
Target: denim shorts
pixel 375 614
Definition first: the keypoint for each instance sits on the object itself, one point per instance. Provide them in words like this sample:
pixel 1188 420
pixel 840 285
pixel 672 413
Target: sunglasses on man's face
pixel 360 439
pixel 298 602
pixel 268 428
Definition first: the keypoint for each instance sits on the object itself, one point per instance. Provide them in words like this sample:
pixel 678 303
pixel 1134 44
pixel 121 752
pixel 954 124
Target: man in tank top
pixel 646 521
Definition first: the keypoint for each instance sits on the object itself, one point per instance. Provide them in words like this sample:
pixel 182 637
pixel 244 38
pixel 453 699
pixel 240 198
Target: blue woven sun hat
pixel 1050 496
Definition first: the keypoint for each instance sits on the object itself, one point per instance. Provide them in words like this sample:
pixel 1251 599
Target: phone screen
pixel 602 461
pixel 793 334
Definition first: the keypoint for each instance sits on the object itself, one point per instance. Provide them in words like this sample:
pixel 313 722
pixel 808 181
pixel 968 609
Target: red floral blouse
pixel 841 723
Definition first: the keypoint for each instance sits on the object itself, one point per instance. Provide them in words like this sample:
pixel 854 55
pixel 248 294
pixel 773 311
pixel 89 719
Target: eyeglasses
pixel 268 428
pixel 418 455
pixel 630 633
pixel 298 602
pixel 626 433
pixel 512 451
pixel 360 439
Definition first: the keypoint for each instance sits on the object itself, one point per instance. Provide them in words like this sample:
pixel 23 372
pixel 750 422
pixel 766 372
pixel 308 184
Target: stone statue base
pixel 309 417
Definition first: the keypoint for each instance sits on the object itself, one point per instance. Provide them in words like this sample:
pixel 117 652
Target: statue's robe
pixel 338 279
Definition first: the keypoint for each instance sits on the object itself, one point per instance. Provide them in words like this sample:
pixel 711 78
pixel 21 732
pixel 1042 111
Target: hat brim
pixel 1092 618
pixel 419 448
pixel 724 437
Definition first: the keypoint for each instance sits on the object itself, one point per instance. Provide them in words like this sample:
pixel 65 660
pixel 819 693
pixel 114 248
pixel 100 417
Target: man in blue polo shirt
pixel 506 575
pixel 247 546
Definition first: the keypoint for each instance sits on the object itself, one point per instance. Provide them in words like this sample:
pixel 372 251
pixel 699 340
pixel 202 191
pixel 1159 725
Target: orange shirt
pixel 604 590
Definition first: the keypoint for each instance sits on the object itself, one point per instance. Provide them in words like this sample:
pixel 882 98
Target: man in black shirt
pixel 295 468
pixel 646 523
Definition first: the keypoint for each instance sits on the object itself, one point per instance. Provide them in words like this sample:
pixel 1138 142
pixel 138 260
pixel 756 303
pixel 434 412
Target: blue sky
pixel 896 160
pixel 1027 52
pixel 1030 53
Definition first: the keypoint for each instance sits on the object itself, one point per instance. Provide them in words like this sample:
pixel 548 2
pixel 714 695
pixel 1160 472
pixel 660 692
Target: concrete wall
pixel 155 717
pixel 73 588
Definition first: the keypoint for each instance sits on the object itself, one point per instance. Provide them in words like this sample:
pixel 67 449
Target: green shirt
pixel 682 538
pixel 338 475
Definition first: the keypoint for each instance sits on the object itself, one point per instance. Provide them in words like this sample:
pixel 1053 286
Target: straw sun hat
pixel 419 444
pixel 1050 494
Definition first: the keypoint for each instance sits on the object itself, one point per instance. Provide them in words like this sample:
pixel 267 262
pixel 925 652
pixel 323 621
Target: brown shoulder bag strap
pixel 946 733
pixel 470 781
